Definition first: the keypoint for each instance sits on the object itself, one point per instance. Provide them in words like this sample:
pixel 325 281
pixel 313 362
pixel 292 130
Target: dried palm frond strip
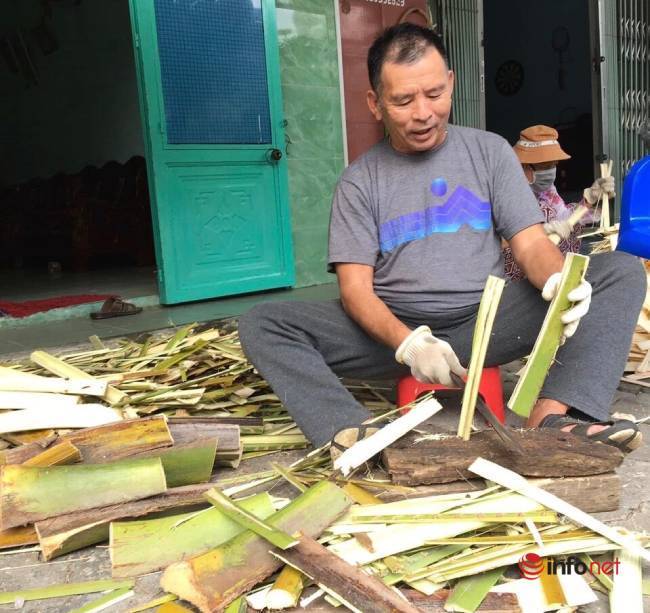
pixel 482 331
pixel 515 482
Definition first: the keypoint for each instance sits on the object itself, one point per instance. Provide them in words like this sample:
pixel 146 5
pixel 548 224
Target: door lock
pixel 273 155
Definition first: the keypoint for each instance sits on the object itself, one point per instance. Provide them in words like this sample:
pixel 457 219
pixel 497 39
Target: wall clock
pixel 509 78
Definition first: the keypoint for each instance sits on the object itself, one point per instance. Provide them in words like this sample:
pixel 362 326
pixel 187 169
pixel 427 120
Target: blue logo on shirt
pixel 439 187
pixel 462 207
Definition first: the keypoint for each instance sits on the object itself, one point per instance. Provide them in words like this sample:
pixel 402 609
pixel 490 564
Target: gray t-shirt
pixel 431 223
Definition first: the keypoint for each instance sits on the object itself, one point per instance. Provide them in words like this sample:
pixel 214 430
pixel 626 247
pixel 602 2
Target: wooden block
pixel 547 453
pixel 592 494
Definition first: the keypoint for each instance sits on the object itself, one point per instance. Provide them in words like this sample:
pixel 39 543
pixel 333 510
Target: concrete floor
pixel 22 570
pixel 16 340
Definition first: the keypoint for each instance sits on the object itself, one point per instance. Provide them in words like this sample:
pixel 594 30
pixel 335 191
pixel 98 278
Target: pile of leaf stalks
pixel 197 373
pixel 151 484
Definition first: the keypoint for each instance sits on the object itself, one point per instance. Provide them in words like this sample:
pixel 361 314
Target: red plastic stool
pixel 490 389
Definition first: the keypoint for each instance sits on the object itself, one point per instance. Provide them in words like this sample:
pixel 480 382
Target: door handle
pixel 273 155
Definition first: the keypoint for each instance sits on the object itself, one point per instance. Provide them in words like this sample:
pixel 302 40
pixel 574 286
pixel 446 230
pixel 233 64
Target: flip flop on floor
pixel 115 307
pixel 624 434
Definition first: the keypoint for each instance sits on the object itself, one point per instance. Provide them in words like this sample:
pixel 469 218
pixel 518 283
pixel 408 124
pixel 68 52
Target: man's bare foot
pixel 546 406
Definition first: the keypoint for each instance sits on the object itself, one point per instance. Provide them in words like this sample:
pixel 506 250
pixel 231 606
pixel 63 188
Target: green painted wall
pixel 310 90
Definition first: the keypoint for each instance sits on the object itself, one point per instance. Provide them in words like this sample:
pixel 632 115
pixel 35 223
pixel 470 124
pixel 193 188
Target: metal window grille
pixel 462 29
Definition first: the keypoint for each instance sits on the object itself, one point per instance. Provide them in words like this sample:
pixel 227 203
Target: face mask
pixel 543 180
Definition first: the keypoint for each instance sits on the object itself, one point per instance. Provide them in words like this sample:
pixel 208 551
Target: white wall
pixel 84 110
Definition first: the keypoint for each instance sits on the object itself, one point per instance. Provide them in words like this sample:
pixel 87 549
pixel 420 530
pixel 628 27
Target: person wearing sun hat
pixel 539 152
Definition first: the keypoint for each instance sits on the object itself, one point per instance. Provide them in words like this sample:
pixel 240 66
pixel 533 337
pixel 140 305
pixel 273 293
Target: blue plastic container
pixel 634 232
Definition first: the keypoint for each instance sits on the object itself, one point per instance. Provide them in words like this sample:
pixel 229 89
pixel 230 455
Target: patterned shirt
pixel 553 207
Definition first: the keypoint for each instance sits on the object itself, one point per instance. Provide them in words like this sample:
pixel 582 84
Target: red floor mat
pixel 29 307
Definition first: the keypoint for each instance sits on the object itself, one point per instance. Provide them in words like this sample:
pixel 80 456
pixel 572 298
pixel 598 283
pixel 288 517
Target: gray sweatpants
pixel 302 348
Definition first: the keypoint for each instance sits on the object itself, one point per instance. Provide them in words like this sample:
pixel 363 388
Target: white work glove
pixel 604 185
pixel 431 360
pixel 581 298
pixel 560 227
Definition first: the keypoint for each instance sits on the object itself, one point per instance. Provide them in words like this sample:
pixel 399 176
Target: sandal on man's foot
pixel 624 434
pixel 346 437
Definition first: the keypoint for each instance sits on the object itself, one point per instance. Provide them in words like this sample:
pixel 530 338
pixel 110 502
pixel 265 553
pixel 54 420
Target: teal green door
pixel 211 108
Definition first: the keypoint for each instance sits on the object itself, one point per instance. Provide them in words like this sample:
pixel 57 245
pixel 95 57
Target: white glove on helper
pixel 604 185
pixel 581 298
pixel 431 360
pixel 560 227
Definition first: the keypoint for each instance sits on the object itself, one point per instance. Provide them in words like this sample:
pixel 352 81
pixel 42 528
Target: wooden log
pixel 349 584
pixel 592 494
pixel 212 580
pixel 29 494
pixel 66 533
pixel 547 453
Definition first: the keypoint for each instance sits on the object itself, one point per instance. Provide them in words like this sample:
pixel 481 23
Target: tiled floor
pixel 71 331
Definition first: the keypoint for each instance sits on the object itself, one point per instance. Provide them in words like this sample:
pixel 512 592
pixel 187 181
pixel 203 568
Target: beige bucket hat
pixel 539 144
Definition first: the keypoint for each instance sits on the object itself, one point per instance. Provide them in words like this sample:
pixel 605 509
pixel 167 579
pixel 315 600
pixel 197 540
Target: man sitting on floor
pixel 415 230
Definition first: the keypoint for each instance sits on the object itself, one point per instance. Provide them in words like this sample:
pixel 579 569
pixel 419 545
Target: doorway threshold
pixel 75 330
pixel 77 311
